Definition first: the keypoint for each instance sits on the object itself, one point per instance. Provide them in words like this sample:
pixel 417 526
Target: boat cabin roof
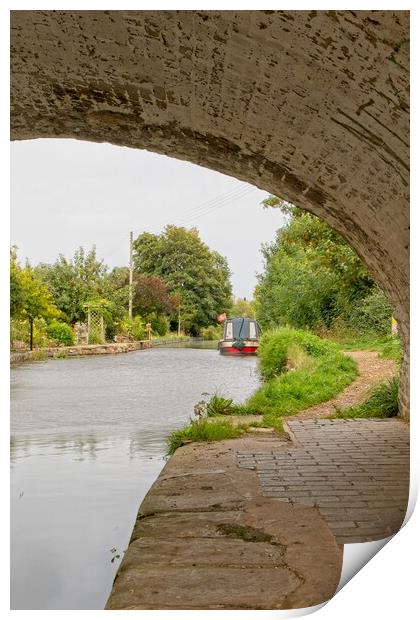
pixel 241 327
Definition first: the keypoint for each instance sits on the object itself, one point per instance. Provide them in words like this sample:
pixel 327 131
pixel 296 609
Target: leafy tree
pixel 37 300
pixel 151 295
pixel 74 282
pixel 313 278
pixel 242 307
pixel 199 276
pixel 115 288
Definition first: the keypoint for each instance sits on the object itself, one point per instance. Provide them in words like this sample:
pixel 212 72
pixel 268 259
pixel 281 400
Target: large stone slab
pixel 205 538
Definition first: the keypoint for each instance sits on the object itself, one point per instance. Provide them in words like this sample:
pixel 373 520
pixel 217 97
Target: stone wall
pixel 310 105
pixel 77 350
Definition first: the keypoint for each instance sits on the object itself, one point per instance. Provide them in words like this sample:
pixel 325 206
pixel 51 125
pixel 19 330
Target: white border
pixel 387 586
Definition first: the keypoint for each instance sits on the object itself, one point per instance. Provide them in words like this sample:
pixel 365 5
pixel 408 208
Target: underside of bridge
pixel 312 106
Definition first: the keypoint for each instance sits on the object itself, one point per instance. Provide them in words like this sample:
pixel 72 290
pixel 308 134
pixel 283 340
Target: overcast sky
pixel 68 193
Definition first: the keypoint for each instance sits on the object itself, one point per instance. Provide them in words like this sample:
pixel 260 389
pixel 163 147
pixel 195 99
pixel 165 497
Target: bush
pixel 160 325
pixel 61 333
pixel 371 315
pixel 133 328
pixel 212 332
pixel 274 349
pixel 382 403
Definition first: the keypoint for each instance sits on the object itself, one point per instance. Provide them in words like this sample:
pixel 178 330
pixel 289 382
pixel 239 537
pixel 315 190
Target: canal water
pixel 88 440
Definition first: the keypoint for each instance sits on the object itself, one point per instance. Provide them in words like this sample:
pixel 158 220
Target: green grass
pixel 204 430
pixel 219 405
pixel 382 403
pixel 389 347
pixel 323 373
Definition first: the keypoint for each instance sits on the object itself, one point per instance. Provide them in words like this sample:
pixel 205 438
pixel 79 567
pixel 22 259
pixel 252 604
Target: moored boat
pixel 240 337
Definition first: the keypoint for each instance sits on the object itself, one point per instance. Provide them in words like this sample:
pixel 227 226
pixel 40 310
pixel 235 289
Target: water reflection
pixel 88 440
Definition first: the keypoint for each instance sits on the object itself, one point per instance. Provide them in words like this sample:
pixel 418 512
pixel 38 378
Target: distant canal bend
pixel 88 440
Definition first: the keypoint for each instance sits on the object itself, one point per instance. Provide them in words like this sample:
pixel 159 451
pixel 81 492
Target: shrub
pixel 371 315
pixel 160 325
pixel 274 347
pixel 212 332
pixel 133 328
pixel 61 333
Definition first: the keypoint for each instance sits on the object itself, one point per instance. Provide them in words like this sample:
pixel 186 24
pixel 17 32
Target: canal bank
pixel 206 538
pixel 112 348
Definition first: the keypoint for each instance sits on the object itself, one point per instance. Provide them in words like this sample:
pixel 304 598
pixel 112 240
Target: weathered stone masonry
pixel 310 105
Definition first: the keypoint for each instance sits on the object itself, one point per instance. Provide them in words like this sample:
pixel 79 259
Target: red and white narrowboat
pixel 240 337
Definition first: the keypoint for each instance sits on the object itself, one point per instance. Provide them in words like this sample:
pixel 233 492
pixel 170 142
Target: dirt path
pixel 372 370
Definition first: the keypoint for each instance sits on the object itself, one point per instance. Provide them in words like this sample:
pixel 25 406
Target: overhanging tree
pixel 313 278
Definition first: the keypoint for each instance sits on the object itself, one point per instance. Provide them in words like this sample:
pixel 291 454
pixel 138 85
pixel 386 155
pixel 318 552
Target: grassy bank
pixel 299 370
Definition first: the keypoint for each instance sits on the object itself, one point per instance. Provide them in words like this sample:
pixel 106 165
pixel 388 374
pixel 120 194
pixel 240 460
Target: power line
pixel 217 206
pixel 202 207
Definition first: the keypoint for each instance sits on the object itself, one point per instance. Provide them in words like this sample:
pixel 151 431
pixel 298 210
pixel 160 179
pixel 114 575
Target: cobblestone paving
pixel 355 471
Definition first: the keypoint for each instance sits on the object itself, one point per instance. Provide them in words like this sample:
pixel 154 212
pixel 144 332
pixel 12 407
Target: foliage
pixel 40 336
pixel 133 328
pixel 242 307
pixel 212 332
pixel 61 333
pixel 37 299
pixel 18 333
pixel 371 315
pixel 17 294
pixel 325 371
pixel 205 430
pixel 219 405
pixel 31 298
pixel 115 289
pixel 74 282
pixel 313 280
pixel 199 277
pixel 389 347
pixel 381 403
pixel 392 349
pixel 160 324
pixel 273 351
pixel 95 337
pixel 151 296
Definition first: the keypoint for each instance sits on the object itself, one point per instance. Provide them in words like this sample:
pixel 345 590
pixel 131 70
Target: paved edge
pixel 206 538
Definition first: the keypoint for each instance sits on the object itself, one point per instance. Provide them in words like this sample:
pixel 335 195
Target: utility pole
pixel 130 285
pixel 179 318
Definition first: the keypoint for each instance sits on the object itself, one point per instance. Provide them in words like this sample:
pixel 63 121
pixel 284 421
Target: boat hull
pixel 248 348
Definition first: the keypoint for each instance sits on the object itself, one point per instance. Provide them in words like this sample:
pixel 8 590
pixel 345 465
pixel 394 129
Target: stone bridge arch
pixel 310 105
